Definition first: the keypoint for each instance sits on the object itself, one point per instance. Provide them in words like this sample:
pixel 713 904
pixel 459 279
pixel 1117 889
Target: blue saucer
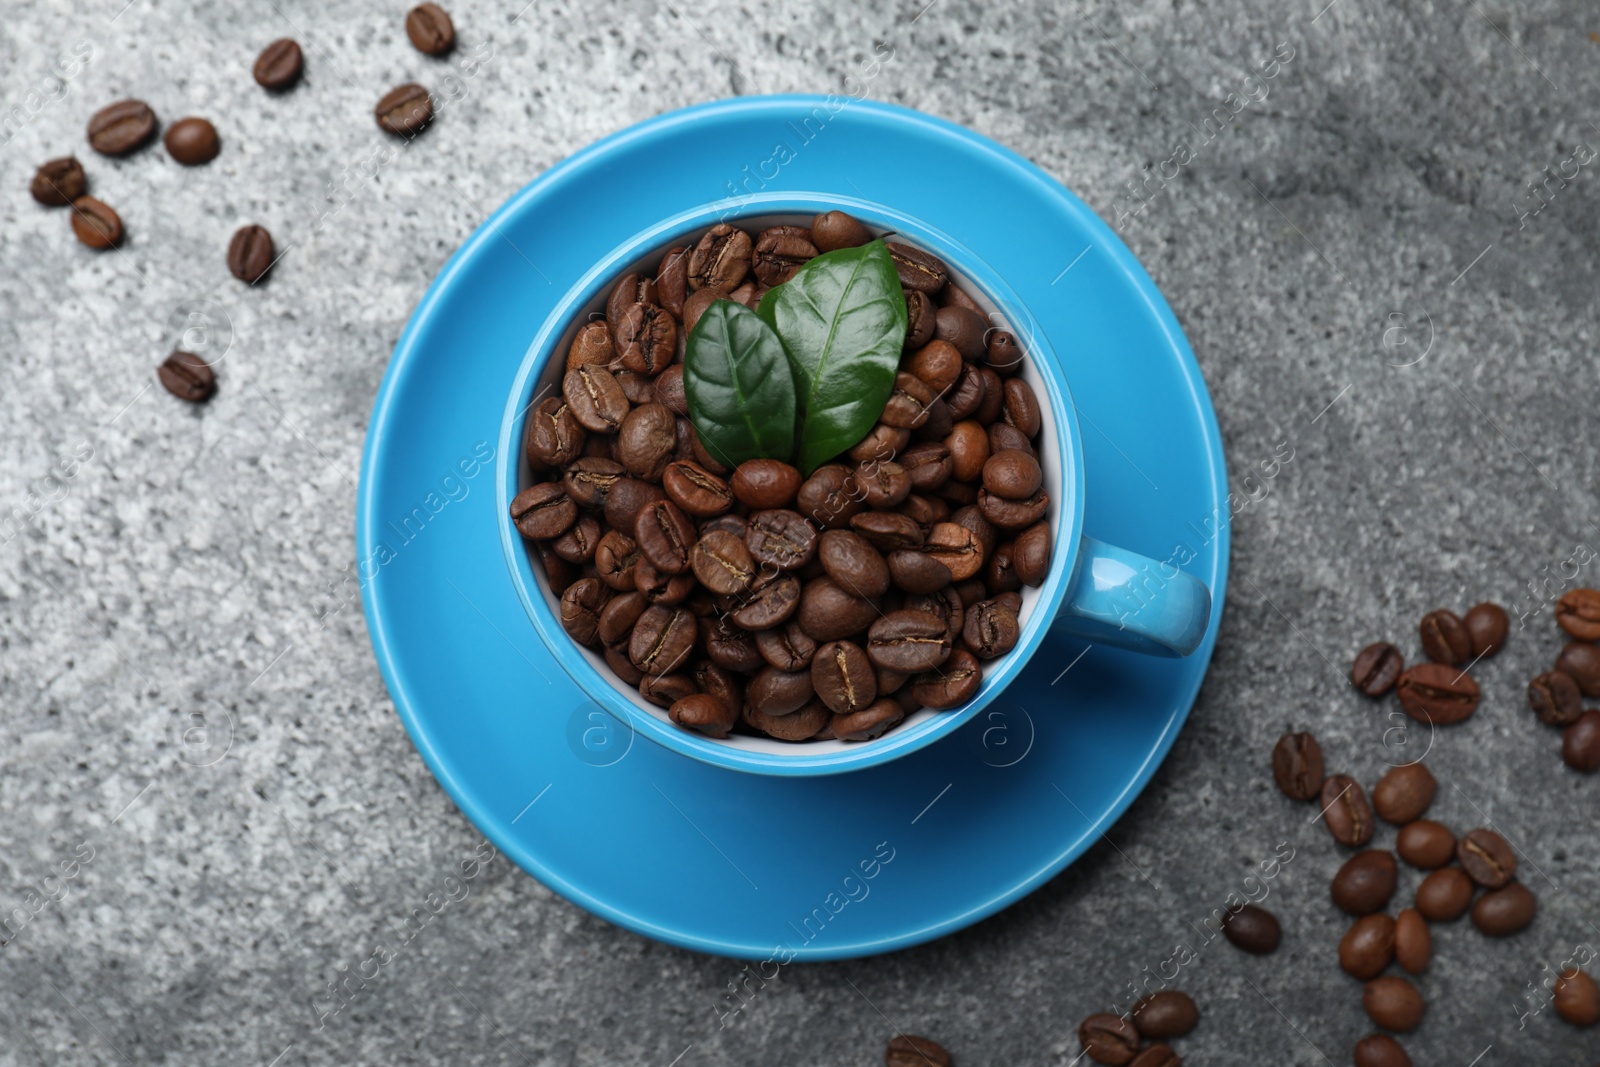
pixel 770 868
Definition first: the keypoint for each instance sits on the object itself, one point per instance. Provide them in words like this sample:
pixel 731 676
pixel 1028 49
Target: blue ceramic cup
pixel 1098 592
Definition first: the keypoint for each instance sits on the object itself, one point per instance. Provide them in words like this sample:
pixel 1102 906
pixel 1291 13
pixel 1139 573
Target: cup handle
pixel 1121 598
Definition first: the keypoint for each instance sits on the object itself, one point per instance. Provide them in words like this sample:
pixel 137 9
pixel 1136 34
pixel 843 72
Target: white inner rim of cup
pixel 1048 447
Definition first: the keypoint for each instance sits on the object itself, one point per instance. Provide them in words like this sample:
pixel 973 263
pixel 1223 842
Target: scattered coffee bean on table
pixel 1581 661
pixel 1346 811
pixel 1366 882
pixel 192 141
pixel 1380 1050
pixel 1297 766
pixel 1488 625
pixel 1426 844
pixel 1402 795
pixel 58 182
pixel 430 29
pixel 1165 1014
pixel 1577 998
pixel 910 1050
pixel 1367 947
pixel 120 128
pixel 404 110
pixel 1578 613
pixel 1157 1055
pixel 1109 1039
pixel 1393 1003
pixel 1445 895
pixel 279 65
pixel 96 224
pixel 187 377
pixel 1580 743
pixel 1445 638
pixel 1487 858
pixel 1377 668
pixel 1253 929
pixel 1503 912
pixel 1555 699
pixel 250 253
pixel 1413 942
pixel 1437 693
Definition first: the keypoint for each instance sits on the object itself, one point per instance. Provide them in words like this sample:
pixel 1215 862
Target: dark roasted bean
pixel 543 512
pixel 1439 694
pixel 1377 668
pixel 1297 766
pixel 1346 811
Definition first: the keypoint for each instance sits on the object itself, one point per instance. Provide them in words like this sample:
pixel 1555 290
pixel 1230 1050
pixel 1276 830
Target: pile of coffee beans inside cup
pixel 753 599
pixel 123 127
pixel 1119 1040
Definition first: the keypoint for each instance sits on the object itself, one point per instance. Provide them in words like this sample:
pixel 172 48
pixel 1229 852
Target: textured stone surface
pixel 1382 173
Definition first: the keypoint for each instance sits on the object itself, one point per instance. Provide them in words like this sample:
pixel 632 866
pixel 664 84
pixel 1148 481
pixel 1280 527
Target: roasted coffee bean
pixel 1555 699
pixel 667 390
pixel 870 722
pixel 665 690
pixel 951 685
pixel 787 648
pixel 802 725
pixel 830 497
pixel 721 259
pixel 95 224
pixel 1445 638
pixel 968 395
pixel 250 253
pixel 665 536
pixel 1000 573
pixel 1380 1050
pixel 1581 660
pixel 938 364
pixel 939 423
pixel 1297 766
pixel 778 692
pixel 887 530
pixel 663 639
pixel 1367 947
pixel 917 572
pixel 543 512
pixel 1393 1003
pixel 1487 625
pixel 917 269
pixel 279 65
pixel 957 547
pixel 581 605
pixel 119 128
pixel 1022 407
pixel 557 571
pixel 968 446
pixel 882 483
pixel 719 682
pixel 928 465
pixel 647 338
pixel 1004 354
pixel 592 346
pixel 626 498
pixel 1578 613
pixel 58 182
pixel 1487 858
pixel 765 483
pixel 909 1050
pixel 1109 1039
pixel 1377 669
pixel 779 250
pixel 430 29
pixel 1438 694
pixel 1426 844
pixel 945 605
pixel 672 280
pixel 1012 514
pixel 646 440
pixel 1503 912
pixel 1346 811
pixel 1157 1055
pixel 187 377
pixel 842 675
pixel 620 614
pixel 909 641
pixel 833 230
pixel 1005 437
pixel 705 713
pixel 1366 882
pixel 991 629
pixel 630 289
pixel 595 398
pixel 1253 929
pixel 780 538
pixel 958 494
pixel 830 613
pixel 696 490
pixel 1444 895
pixel 722 563
pixel 773 598
pixel 1164 1014
pixel 192 141
pixel 1580 743
pixel 1576 998
pixel 616 657
pixel 1030 553
pixel 907 406
pixel 920 319
pixel 578 544
pixel 728 645
pixel 588 480
pixel 851 561
pixel 962 328
pixel 696 304
pixel 1403 794
pixel 883 442
pixel 1413 943
pixel 405 110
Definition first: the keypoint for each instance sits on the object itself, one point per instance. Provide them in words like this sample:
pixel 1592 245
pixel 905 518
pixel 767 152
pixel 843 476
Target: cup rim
pixel 903 739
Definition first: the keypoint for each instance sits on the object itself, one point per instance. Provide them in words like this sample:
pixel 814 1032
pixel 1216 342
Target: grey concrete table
pixel 1354 244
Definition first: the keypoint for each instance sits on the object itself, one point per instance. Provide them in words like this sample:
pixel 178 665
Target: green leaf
pixel 842 319
pixel 740 390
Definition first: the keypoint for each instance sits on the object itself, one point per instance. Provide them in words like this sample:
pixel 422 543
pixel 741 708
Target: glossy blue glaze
pixel 685 851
